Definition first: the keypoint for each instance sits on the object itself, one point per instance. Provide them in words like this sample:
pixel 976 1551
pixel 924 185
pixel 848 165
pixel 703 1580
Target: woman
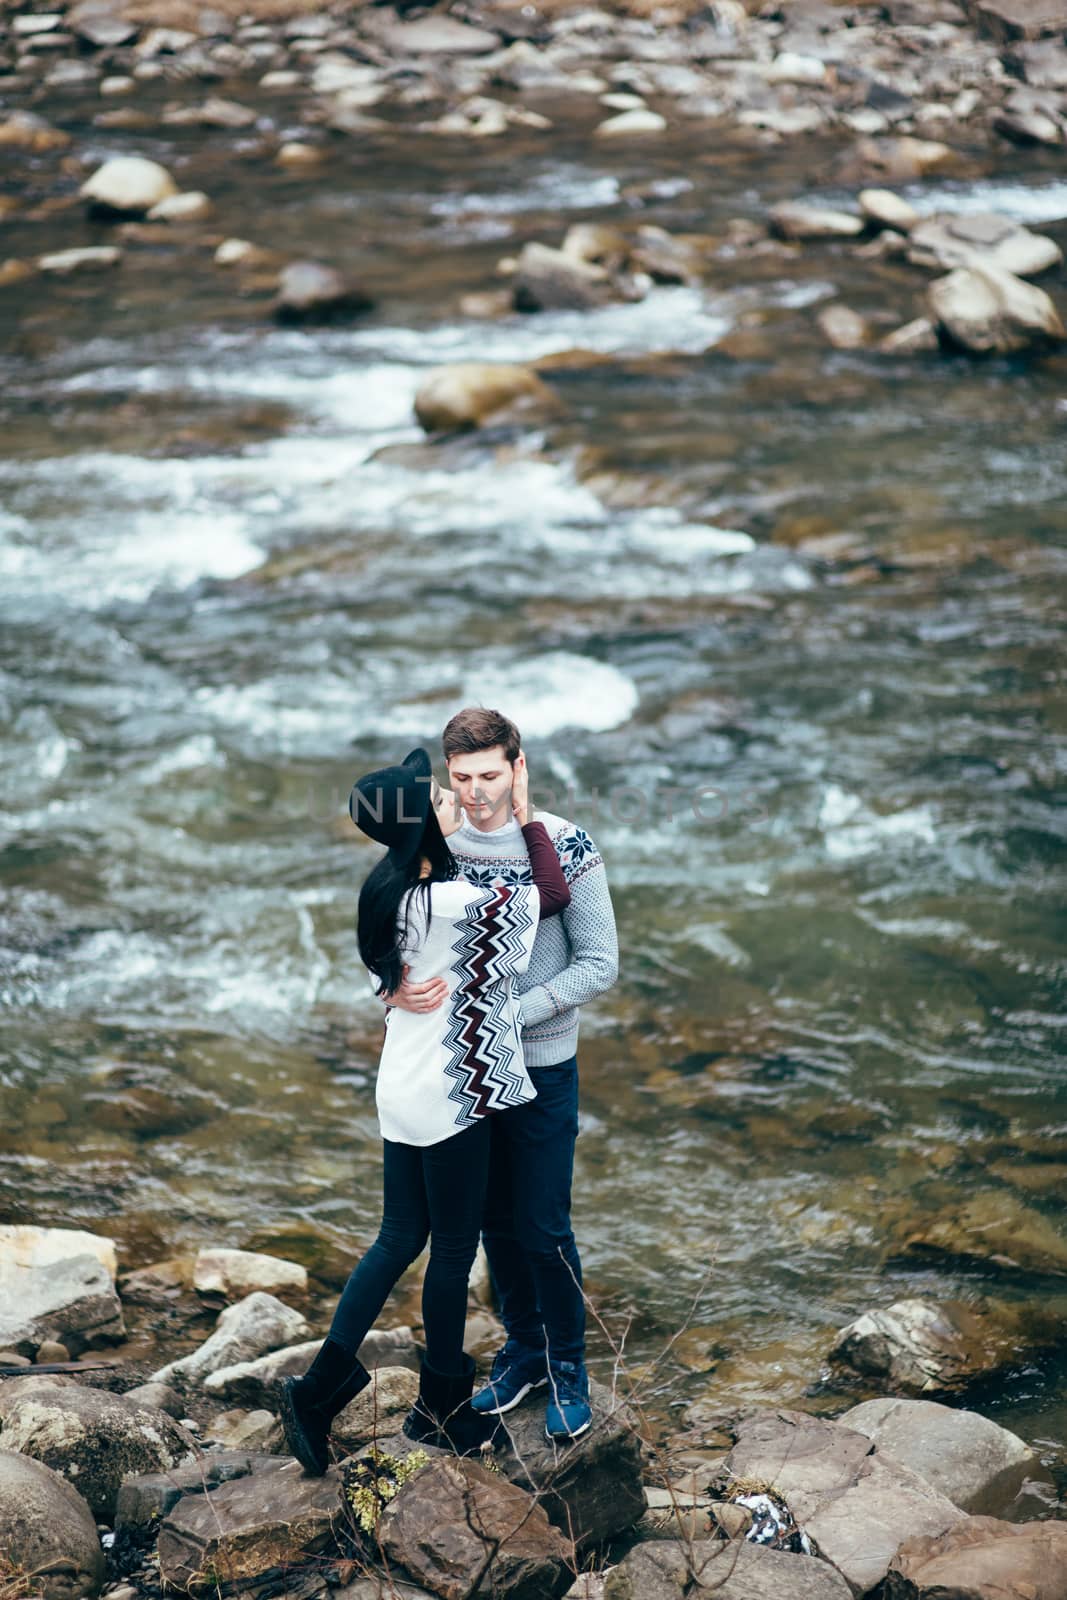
pixel 441 1074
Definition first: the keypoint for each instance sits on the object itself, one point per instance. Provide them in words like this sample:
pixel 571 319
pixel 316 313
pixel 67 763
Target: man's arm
pixel 589 922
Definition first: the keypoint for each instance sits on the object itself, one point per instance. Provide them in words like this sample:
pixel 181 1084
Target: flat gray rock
pixel 71 1300
pixel 250 1328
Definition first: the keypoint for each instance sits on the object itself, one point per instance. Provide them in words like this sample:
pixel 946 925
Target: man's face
pixel 482 785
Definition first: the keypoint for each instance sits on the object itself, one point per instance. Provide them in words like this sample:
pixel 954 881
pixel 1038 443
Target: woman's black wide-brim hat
pixel 392 804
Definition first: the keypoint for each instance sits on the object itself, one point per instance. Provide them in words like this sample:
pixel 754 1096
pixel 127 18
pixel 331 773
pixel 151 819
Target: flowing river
pixel 824 775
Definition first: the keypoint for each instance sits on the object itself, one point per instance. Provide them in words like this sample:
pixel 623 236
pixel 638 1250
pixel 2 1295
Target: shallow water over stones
pixel 232 572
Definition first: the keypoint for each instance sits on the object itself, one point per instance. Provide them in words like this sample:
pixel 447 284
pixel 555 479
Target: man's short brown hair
pixel 477 728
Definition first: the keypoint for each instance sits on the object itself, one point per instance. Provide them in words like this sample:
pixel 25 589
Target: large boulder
pixel 475 392
pixel 453 1524
pixel 93 1438
pixel 856 1505
pixel 242 1528
pixel 978 1465
pixel 988 311
pixel 127 186
pixel 46 1528
pixel 25 1246
pixel 258 1382
pixel 982 1559
pixel 592 1490
pixel 231 1274
pixel 72 1299
pixel 981 239
pixel 254 1325
pixel 730 1570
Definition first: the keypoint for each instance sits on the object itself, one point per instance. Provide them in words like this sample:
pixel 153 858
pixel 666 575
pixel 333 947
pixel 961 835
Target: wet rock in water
pixel 25 130
pixel 731 1570
pixel 629 124
pixel 1004 20
pixel 979 239
pixel 297 156
pixel 994 1227
pixel 144 1498
pixel 670 258
pixel 434 35
pixel 597 244
pixel 913 338
pixel 311 292
pixel 214 112
pixel 974 1462
pixel 593 1489
pixel 256 1383
pixel 448 1520
pixel 90 258
pixel 842 327
pixel 252 1327
pixel 982 1559
pixel 15 271
pixel 888 210
pixel 925 1347
pixel 550 280
pixel 190 206
pixel 896 159
pixel 127 186
pixel 90 1436
pixel 234 1273
pixel 855 1505
pixel 101 23
pixel 471 393
pixel 1028 126
pixel 47 1528
pixel 792 220
pixel 379 1410
pixel 241 1529
pixel 73 1300
pixel 987 311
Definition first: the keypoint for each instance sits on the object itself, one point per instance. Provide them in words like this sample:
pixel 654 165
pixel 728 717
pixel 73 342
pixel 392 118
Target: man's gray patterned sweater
pixel 576 954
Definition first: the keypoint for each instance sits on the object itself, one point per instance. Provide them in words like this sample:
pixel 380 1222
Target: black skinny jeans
pixel 435 1191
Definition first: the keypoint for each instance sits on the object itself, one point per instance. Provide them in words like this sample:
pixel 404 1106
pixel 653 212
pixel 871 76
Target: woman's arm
pixel 548 877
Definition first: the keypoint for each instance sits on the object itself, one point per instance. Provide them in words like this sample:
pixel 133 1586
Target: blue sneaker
pixel 569 1413
pixel 516 1370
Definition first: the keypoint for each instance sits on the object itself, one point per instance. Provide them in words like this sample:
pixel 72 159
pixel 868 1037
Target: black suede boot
pixel 443 1414
pixel 309 1404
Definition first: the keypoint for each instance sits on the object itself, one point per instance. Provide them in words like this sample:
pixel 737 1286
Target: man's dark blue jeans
pixel 527 1226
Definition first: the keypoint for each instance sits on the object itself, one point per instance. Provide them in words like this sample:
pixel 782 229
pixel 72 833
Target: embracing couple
pixel 484 928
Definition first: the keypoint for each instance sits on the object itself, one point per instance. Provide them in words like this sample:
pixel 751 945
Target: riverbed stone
pixel 89 258
pixel 917 337
pixel 435 35
pixel 251 1327
pixel 732 1570
pixel 235 1273
pixel 988 311
pixel 553 280
pixel 452 1516
pixel 308 291
pixel 47 1528
pixel 378 1410
pixel 888 210
pixel 192 205
pixel 470 393
pixel 855 1504
pixel 592 1489
pixel 258 1382
pixel 982 1559
pixel 843 328
pixel 90 1436
pixel 73 1300
pixel 127 186
pixel 794 220
pixel 1005 20
pixel 239 1530
pixel 980 1466
pixel 25 130
pixel 981 239
pixel 102 23
pixel 145 1498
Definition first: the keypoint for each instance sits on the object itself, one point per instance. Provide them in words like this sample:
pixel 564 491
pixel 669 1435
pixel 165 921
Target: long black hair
pixel 381 930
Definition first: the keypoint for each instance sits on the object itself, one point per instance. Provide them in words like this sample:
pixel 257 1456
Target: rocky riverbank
pixel 124 1478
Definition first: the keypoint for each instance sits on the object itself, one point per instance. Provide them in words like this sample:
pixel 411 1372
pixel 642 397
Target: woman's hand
pixel 520 791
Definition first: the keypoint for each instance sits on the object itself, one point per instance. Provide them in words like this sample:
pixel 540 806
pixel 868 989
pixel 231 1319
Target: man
pixel 532 1255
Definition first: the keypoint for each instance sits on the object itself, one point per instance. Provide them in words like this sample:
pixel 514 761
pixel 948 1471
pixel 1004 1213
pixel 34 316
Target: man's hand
pixel 520 790
pixel 418 996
